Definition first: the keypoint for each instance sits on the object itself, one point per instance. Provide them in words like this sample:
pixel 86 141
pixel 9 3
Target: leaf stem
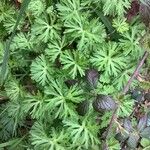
pixel 135 73
pixel 126 88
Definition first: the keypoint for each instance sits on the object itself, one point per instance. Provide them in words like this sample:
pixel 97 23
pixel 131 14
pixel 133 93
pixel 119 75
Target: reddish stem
pixel 135 73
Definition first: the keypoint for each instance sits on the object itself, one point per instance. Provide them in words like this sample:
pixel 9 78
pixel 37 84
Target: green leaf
pixel 36 7
pixel 41 70
pixel 35 105
pixel 121 80
pixel 61 98
pixel 125 106
pixel 130 42
pixel 75 62
pixel 82 29
pixel 42 140
pixel 69 9
pixel 16 143
pixel 145 143
pixel 55 48
pixel 6 10
pixel 23 41
pixel 13 89
pixel 105 119
pixel 121 25
pixel 46 30
pixel 113 144
pixel 107 58
pixel 84 133
pixel 115 7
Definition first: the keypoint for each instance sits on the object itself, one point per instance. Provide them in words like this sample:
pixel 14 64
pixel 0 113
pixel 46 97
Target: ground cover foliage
pixel 64 68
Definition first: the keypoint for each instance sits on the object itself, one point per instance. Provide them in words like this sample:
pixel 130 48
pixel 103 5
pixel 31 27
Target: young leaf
pixel 144 11
pixel 83 108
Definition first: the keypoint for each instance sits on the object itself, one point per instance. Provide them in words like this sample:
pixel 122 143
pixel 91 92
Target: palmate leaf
pixel 145 143
pixel 130 42
pixel 142 123
pixel 121 80
pixel 125 106
pixel 36 7
pixel 113 144
pixel 6 10
pixel 6 125
pixel 14 143
pixel 145 133
pixel 16 111
pixel 55 48
pixel 115 7
pixel 84 31
pixel 35 105
pixel 12 116
pixel 108 59
pixel 23 41
pixel 42 140
pixel 10 23
pixel 69 9
pixel 75 62
pixel 41 70
pixel 13 89
pixel 105 119
pixel 46 30
pixel 1 52
pixel 121 25
pixel 61 98
pixel 84 133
